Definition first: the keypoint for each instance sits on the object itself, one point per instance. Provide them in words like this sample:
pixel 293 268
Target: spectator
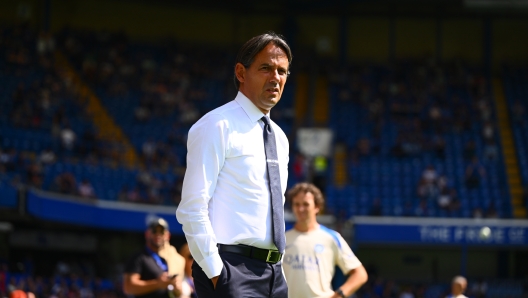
pixel 45 43
pixel 86 290
pixel 411 144
pixel 65 184
pixel 455 202
pixel 188 113
pixel 378 286
pixel 68 137
pixel 149 150
pixel 9 159
pixel 3 279
pixel 35 175
pixel 479 288
pixel 141 114
pixel 133 195
pixel 320 166
pixel 474 172
pixel 12 285
pixel 88 143
pixel 492 211
pixel 441 182
pixel 470 150
pixel 458 287
pixel 47 156
pixel 86 189
pixel 518 112
pixel 488 131
pixel 435 118
pixel 490 150
pixel 422 209
pixel 300 168
pixel 364 147
pixel 188 290
pixel 428 185
pixel 429 175
pixel 477 213
pixel 444 199
pixel 391 289
pixel 408 209
pixel 122 195
pixel 376 208
pixel 407 292
pixel 484 107
pixel 439 146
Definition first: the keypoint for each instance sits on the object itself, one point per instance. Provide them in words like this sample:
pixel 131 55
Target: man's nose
pixel 275 77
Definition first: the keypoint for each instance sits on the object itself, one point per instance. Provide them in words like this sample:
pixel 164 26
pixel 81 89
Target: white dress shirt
pixel 225 195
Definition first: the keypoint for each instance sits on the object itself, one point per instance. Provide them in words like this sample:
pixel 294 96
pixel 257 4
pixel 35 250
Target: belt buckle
pixel 270 254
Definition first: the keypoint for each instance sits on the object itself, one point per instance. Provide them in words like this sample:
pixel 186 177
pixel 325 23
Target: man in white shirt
pixel 458 287
pixel 232 207
pixel 313 251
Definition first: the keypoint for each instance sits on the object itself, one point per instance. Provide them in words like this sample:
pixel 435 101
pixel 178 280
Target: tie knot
pixel 266 120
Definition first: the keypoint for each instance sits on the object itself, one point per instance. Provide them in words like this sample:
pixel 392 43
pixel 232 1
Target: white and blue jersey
pixel 310 260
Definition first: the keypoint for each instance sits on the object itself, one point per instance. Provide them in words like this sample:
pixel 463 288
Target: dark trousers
pixel 242 277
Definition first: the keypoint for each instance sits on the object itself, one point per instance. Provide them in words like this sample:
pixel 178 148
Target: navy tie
pixel 277 208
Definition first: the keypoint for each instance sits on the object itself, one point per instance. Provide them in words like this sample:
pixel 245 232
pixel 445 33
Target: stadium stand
pixel 64 285
pixel 515 82
pixel 155 93
pixel 391 120
pixel 412 138
pixel 417 135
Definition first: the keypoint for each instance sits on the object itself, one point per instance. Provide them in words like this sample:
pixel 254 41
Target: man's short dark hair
pixel 252 47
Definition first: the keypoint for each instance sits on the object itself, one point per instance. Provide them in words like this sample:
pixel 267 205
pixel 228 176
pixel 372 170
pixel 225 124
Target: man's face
pixel 263 81
pixel 303 205
pixel 157 236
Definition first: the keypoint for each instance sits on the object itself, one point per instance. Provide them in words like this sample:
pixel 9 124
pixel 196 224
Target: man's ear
pixel 240 72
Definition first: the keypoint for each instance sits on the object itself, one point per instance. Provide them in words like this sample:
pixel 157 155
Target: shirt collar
pixel 249 107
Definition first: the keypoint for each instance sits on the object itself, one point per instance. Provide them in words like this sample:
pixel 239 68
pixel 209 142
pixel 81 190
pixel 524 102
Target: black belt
pixel 267 255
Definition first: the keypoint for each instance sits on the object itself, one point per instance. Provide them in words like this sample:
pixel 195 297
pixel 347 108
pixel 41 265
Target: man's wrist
pixel 340 293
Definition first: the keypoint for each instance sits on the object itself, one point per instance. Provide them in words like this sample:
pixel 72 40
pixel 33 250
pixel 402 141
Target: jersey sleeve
pixel 346 259
pixel 133 265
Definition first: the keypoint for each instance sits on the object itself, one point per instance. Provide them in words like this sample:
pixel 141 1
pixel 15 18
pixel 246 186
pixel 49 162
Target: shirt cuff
pixel 212 265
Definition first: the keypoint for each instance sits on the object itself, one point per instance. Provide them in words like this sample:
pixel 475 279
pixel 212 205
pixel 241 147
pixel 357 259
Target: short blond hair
pixel 459 279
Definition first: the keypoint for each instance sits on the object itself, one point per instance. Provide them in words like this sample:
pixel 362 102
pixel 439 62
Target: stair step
pixel 108 129
pixel 509 149
pixel 519 213
pixel 322 100
pixel 301 98
pixel 517 200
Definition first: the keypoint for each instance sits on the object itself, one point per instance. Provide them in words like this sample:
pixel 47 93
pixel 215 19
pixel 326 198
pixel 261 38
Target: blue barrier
pixel 98 213
pixel 8 196
pixel 438 231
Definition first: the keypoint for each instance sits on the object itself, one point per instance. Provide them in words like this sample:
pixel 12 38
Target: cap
pixel 157 221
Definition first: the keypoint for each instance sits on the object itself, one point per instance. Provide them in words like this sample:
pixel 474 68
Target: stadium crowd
pixel 438 115
pixel 78 280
